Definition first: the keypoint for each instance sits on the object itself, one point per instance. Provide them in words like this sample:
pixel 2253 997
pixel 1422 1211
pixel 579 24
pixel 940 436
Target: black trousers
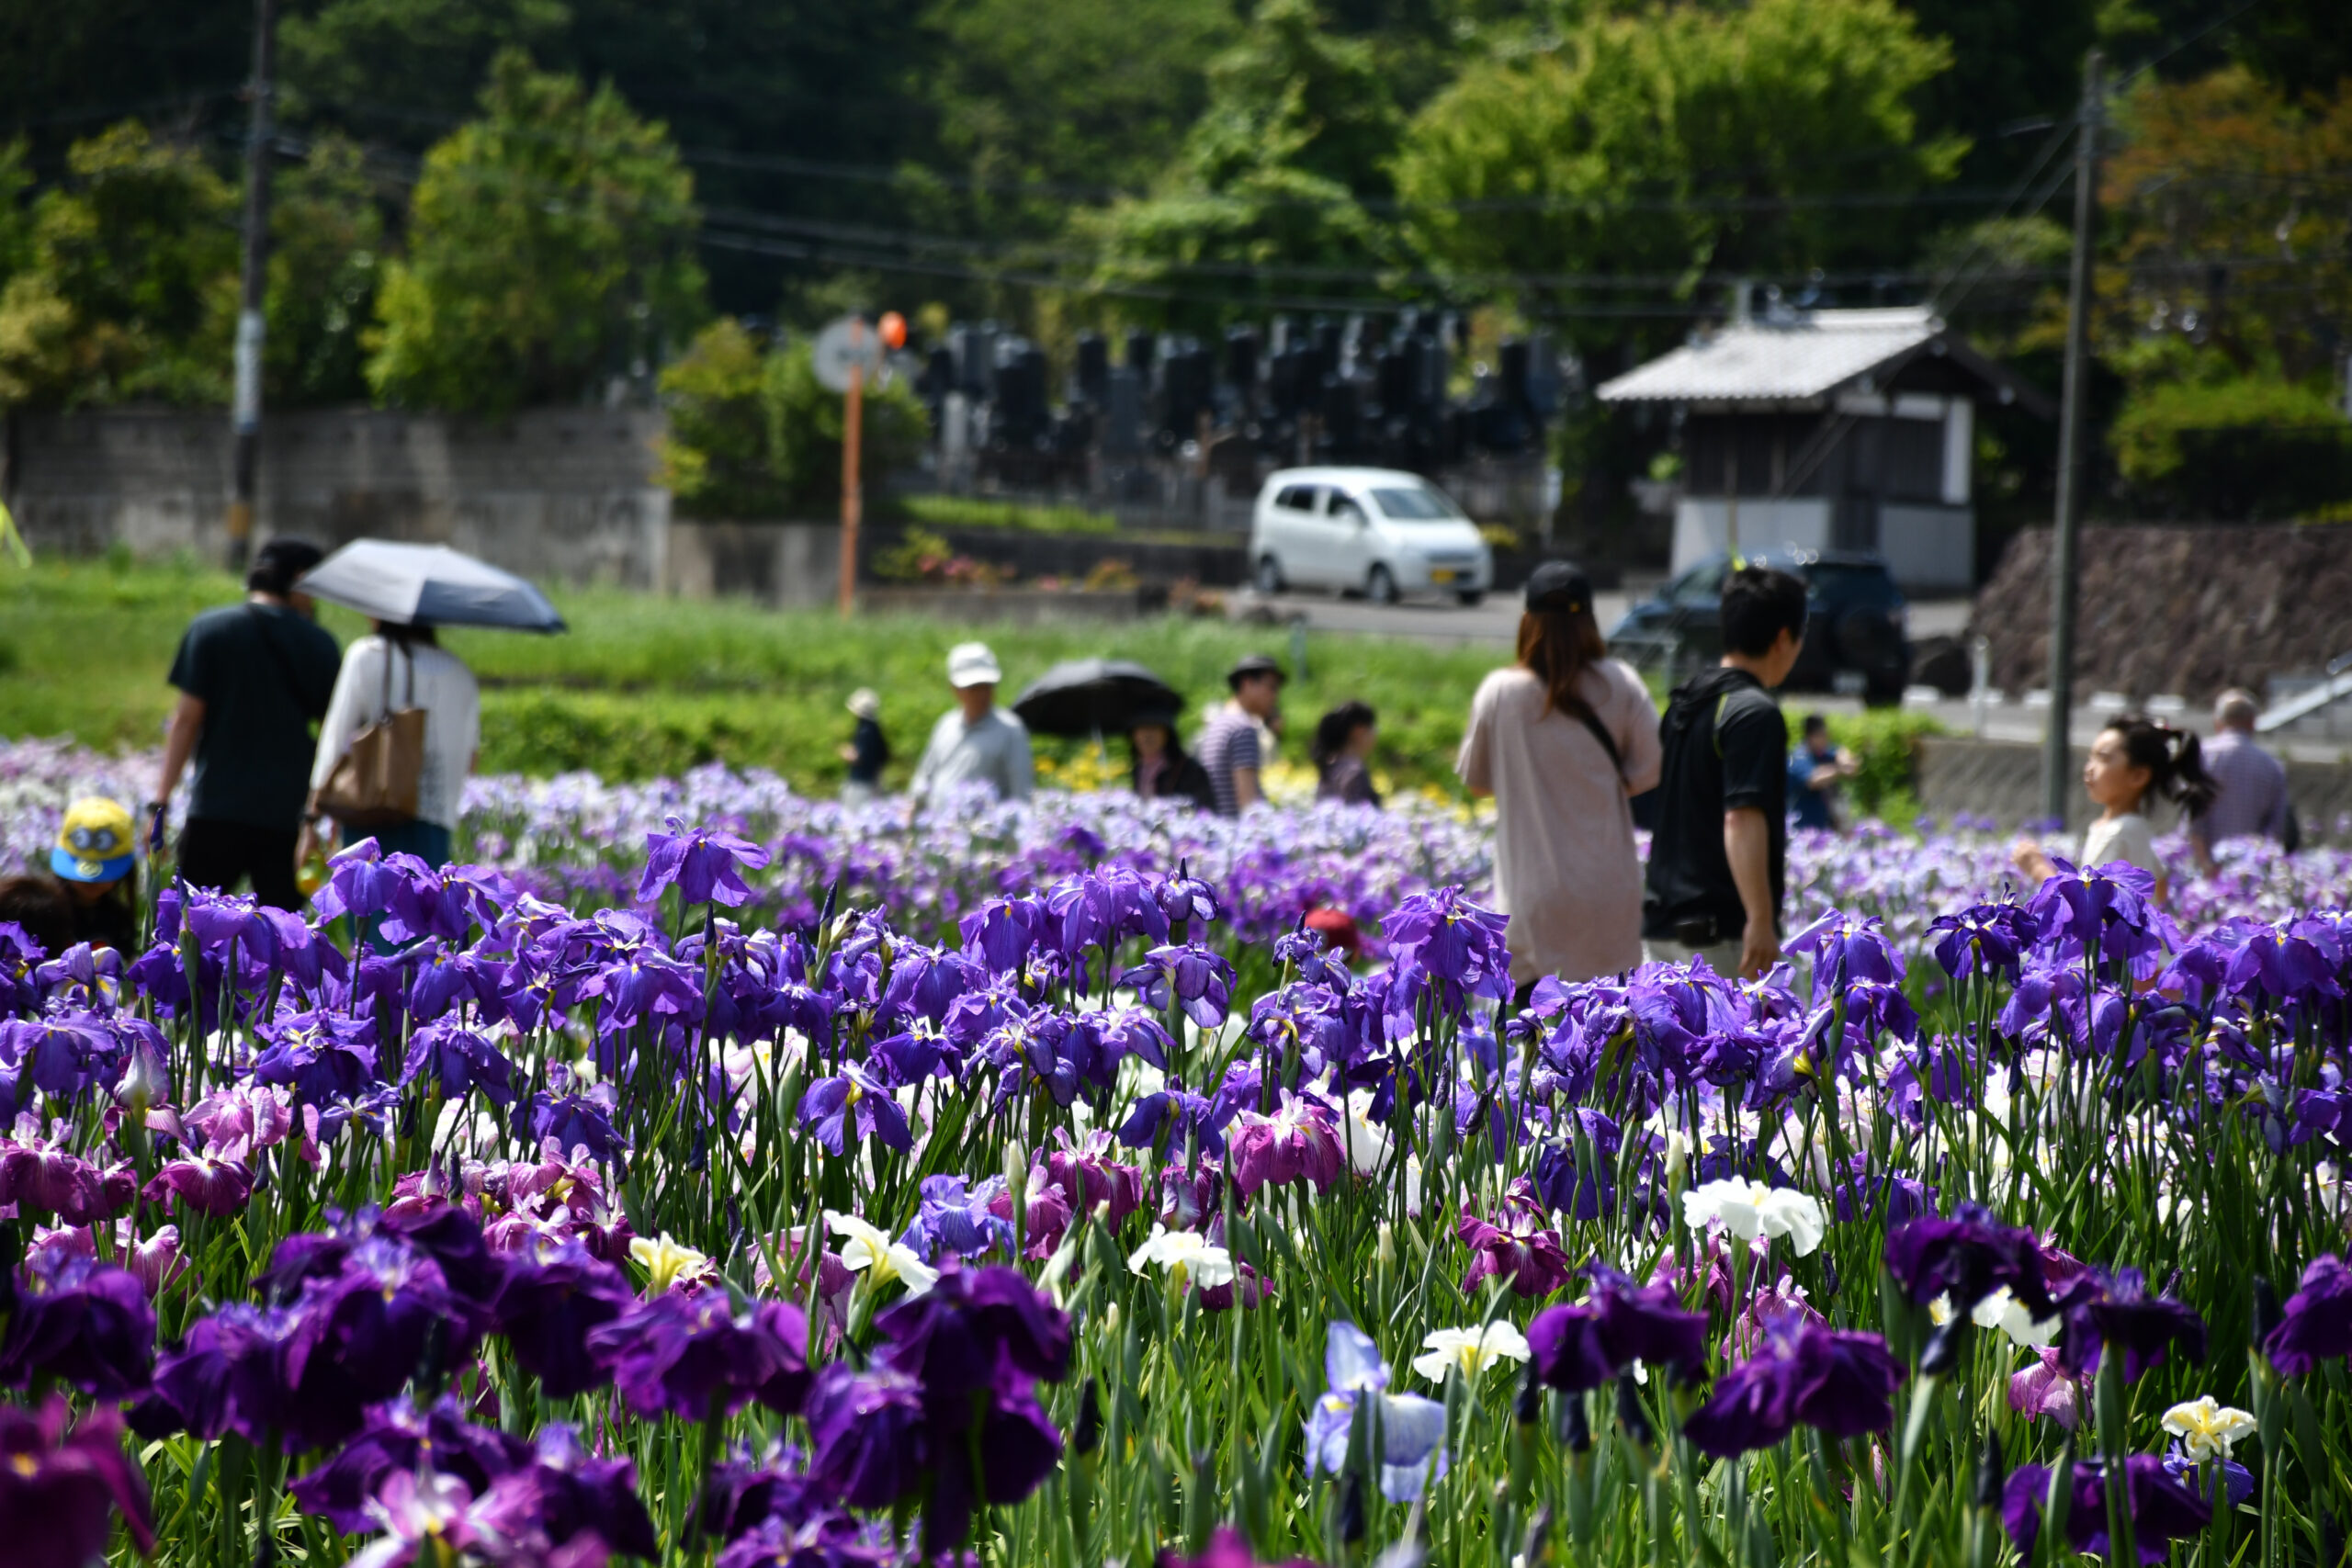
pixel 220 854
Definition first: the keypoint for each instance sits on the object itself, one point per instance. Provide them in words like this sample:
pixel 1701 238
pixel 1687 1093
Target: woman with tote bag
pixel 392 778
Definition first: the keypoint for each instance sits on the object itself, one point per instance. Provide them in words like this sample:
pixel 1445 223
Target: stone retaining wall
pixel 2002 779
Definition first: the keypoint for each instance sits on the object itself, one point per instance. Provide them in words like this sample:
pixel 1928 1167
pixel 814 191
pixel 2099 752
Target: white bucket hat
pixel 864 703
pixel 971 664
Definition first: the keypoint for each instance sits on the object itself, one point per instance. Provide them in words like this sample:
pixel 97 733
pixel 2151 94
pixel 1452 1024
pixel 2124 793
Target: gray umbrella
pixel 1092 697
pixel 431 584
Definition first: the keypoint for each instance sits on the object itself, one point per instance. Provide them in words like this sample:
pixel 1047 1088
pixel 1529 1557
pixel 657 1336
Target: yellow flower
pixel 664 1261
pixel 2207 1429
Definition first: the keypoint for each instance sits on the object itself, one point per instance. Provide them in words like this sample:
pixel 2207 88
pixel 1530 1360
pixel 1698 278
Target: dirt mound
pixel 2188 610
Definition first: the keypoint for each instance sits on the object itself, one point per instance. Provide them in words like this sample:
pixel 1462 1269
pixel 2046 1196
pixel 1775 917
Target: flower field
pixel 701 1175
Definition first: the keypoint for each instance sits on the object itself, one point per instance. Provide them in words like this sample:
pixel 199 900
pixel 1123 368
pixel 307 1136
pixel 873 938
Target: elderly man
pixel 2254 782
pixel 972 739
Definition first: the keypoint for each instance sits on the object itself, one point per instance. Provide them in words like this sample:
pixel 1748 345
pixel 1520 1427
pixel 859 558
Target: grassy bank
pixel 645 685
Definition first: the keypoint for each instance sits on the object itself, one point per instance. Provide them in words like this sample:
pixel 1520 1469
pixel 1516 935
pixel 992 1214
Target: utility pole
pixel 245 416
pixel 853 489
pixel 2057 756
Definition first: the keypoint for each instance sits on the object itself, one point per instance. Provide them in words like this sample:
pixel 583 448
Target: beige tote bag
pixel 375 782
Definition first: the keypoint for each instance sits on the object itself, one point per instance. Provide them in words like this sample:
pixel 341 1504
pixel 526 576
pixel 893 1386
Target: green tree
pixel 754 434
pixel 715 456
pixel 548 245
pixel 128 289
pixel 1673 144
pixel 805 420
pixel 1275 174
pixel 379 60
pixel 326 253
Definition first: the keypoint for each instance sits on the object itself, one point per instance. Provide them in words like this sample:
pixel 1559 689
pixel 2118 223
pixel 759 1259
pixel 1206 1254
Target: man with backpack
pixel 252 678
pixel 1719 857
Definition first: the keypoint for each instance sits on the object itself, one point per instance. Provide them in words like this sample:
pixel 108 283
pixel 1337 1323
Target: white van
pixel 1374 531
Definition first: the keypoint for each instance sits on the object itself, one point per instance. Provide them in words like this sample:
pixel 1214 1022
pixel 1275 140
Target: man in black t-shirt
pixel 252 678
pixel 1719 857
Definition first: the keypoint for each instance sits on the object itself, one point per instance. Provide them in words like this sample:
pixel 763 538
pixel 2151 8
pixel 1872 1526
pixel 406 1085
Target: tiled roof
pixel 1805 354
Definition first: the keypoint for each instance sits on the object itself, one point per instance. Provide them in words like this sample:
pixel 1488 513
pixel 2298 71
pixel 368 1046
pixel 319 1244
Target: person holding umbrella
pixel 401 666
pixel 1163 770
pixel 403 731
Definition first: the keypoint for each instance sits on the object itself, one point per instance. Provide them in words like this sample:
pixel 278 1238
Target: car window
pixel 1702 584
pixel 1849 583
pixel 1344 507
pixel 1296 497
pixel 1417 503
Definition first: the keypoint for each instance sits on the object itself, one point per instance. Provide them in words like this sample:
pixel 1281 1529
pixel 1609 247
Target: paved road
pixel 1496 621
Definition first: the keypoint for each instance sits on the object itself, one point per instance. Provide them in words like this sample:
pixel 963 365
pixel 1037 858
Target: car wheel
pixel 1270 575
pixel 1380 587
pixel 1472 598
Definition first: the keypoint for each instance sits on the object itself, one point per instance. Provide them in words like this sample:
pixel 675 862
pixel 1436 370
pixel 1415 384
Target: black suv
pixel 1856 623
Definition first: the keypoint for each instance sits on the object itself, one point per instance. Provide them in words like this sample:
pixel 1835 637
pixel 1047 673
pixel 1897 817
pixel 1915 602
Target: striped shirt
pixel 2253 799
pixel 1230 742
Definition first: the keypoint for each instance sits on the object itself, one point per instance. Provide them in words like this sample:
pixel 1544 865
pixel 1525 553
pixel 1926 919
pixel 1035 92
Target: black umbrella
pixel 1092 697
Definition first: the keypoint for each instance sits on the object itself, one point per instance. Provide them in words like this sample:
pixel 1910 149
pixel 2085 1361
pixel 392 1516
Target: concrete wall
pixel 562 494
pixel 2002 780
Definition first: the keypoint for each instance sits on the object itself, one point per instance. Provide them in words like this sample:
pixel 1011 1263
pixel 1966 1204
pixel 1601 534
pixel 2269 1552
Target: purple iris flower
pixel 924 980
pixel 2294 962
pixel 2045 1388
pixel 359 883
pixel 1101 908
pixel 868 1435
pixel 1984 939
pixel 62 1481
pixel 1299 1142
pixel 396 1437
pixel 2117 1309
pixel 227 1375
pixel 2162 1509
pixel 2230 1479
pixel 855 1098
pixel 462 1060
pixel 1967 1257
pixel 1837 1381
pixel 1451 941
pixel 1001 933
pixel 1177 1115
pixel 823 1540
pixel 1516 1245
pixel 217 1182
pixel 1586 1345
pixel 1412 1427
pixel 1578 1176
pixel 1185 899
pixel 2316 1324
pixel 1131 1032
pixel 319 1056
pixel 40 1176
pixel 702 862
pixel 1189 976
pixel 60 1056
pixel 1088 1179
pixel 692 1354
pixel 574 1122
pixel 361 1333
pixel 1318 962
pixel 952 1216
pixel 1846 950
pixel 552 1297
pixel 950 1393
pixel 572 1493
pixel 81 1322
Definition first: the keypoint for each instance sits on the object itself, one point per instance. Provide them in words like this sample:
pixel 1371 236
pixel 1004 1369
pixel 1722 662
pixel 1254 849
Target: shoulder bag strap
pixel 1576 708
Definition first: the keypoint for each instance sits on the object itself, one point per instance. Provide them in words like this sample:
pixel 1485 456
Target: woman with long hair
pixel 1343 742
pixel 1563 740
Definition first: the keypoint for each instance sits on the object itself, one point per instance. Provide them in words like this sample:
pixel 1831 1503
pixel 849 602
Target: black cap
pixel 1253 664
pixel 1560 586
pixel 280 562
